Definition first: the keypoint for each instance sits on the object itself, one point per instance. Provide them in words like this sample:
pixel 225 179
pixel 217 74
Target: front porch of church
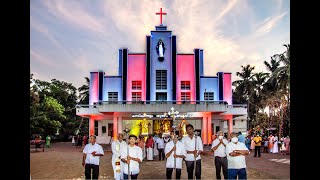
pixel 106 120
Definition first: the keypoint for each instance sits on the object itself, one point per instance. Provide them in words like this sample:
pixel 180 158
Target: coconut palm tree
pixel 282 73
pixel 84 92
pixel 244 86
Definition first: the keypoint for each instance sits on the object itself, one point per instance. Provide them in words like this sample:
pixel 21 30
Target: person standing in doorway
pixel 220 157
pixel 91 158
pixel 117 164
pixel 193 152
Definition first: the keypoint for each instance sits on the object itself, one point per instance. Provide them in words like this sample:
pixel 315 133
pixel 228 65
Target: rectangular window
pixel 96 128
pixel 110 129
pixel 233 122
pixel 112 97
pixel 136 96
pixel 208 96
pixel 161 96
pixel 217 128
pixel 161 79
pixel 136 85
pixel 185 85
pixel 185 96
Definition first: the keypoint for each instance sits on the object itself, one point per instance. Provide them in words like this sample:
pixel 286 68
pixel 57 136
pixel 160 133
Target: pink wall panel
pixel 136 72
pixel 227 88
pixel 186 72
pixel 94 88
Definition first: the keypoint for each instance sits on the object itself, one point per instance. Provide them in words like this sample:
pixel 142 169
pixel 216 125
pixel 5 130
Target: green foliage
pixel 52 106
pixel 266 90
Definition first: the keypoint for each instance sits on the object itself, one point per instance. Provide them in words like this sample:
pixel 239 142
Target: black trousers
pixel 257 148
pixel 190 169
pixel 133 176
pixel 95 171
pixel 169 173
pixel 221 162
pixel 161 154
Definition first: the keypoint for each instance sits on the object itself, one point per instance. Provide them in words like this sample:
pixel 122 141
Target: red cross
pixel 161 13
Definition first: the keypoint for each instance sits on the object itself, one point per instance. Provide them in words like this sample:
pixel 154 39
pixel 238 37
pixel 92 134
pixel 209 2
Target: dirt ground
pixel 63 161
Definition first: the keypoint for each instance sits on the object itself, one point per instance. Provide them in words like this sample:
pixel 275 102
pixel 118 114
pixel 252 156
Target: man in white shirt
pixel 236 152
pixel 116 146
pixel 193 151
pixel 220 156
pixel 160 145
pixel 132 159
pixel 180 153
pixel 91 158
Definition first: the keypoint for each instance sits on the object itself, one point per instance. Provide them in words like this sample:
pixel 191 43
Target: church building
pixel 159 88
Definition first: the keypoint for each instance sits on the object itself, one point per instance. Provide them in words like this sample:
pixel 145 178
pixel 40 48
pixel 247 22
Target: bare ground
pixel 63 161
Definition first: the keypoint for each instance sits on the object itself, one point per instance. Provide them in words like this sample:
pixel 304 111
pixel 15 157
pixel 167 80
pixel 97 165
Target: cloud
pixel 268 24
pixel 226 9
pixel 42 59
pixel 216 26
pixel 82 64
pixel 74 13
pixel 46 32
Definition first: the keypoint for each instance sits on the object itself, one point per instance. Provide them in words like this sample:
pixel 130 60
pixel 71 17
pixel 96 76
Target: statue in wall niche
pixel 182 127
pixel 160 50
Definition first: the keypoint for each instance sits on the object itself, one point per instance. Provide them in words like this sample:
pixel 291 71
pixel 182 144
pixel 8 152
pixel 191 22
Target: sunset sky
pixel 71 38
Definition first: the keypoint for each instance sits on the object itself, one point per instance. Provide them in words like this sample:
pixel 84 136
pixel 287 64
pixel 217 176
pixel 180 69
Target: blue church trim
pixel 220 78
pixel 148 69
pixel 124 73
pixel 100 85
pixel 197 70
pixel 174 69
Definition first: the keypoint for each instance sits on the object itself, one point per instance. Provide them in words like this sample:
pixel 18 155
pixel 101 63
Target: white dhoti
pixel 155 150
pixel 117 166
pixel 275 148
pixel 149 153
pixel 144 152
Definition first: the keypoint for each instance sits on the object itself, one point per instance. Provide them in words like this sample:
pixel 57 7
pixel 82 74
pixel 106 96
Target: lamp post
pixel 174 126
pixel 126 131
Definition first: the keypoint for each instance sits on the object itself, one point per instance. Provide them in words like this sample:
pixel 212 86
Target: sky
pixel 71 38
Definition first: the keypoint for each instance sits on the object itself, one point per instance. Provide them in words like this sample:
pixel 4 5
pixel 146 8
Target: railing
pixel 96 104
pixel 238 106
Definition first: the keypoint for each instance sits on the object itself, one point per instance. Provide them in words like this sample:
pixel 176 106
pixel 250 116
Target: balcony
pixel 160 107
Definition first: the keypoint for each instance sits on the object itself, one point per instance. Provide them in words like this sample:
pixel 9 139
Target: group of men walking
pixel 229 156
pixel 175 151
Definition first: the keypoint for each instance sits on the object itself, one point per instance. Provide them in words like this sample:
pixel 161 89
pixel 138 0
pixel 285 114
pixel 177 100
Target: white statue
pixel 160 50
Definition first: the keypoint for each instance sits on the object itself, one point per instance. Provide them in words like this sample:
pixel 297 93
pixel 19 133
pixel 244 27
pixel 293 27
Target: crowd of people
pixel 268 144
pixel 79 140
pixel 229 154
